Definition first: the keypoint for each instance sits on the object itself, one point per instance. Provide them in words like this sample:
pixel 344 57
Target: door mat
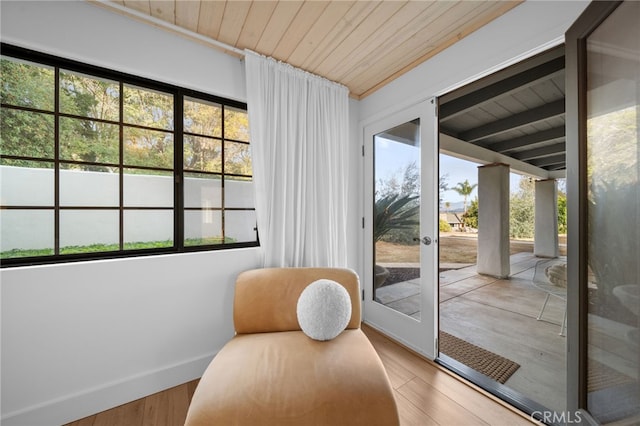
pixel 483 361
pixel 601 376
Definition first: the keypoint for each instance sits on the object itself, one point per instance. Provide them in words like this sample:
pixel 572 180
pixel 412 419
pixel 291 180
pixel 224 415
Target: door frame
pixel 419 335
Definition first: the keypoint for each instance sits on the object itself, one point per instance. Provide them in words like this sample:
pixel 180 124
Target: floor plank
pixel 127 414
pixel 410 415
pixel 436 405
pixel 167 408
pixel 449 392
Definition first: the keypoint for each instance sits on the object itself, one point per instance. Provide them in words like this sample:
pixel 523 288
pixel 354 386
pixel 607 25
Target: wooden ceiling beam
pixel 534 138
pixel 505 87
pixel 544 151
pixel 525 118
pixel 549 161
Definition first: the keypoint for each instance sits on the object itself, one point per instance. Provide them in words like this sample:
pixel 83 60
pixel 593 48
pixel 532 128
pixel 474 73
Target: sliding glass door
pixel 603 132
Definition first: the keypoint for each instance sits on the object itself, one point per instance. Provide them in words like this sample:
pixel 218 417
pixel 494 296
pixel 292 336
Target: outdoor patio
pixel 500 315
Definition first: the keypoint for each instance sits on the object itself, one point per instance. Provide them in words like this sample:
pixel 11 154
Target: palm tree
pixel 465 189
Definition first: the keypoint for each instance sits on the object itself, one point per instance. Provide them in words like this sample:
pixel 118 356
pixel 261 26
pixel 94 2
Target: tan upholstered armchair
pixel 271 373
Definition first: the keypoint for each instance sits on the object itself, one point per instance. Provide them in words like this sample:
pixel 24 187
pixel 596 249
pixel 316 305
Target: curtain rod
pixel 132 13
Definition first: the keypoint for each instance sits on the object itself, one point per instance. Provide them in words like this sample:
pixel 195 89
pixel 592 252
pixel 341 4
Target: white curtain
pixel 299 136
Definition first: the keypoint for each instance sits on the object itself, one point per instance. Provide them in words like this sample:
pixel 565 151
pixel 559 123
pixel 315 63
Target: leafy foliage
pixel 562 213
pixel 444 226
pixel 24 133
pixel 90 134
pixel 470 218
pixel 397 206
pixel 394 211
pixel 522 210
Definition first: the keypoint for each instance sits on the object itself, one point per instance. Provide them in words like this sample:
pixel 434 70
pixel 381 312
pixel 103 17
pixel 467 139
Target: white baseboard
pixel 91 401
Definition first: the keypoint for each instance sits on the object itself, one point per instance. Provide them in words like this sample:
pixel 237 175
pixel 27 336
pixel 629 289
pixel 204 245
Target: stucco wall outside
pixel 33 229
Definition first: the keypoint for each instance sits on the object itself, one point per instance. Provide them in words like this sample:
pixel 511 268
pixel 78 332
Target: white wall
pixel 79 338
pixel 82 337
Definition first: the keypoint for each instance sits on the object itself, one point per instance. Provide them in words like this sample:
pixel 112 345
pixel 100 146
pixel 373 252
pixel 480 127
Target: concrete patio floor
pixel 500 315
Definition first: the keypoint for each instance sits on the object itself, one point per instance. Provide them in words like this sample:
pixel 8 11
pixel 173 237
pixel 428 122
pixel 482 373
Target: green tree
pixel 202 153
pixel 442 186
pixel 31 134
pixel 562 213
pixel 25 133
pixel 444 226
pixel 89 139
pixel 521 210
pixel 470 218
pixel 142 146
pixel 464 189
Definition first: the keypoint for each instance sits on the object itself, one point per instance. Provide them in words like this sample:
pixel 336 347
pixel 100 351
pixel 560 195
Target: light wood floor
pixel 425 393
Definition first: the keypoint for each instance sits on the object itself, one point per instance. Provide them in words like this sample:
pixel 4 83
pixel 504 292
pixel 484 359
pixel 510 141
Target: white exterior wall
pixel 493 220
pixel 21 186
pixel 546 219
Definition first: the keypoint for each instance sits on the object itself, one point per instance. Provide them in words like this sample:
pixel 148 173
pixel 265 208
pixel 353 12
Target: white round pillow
pixel 324 309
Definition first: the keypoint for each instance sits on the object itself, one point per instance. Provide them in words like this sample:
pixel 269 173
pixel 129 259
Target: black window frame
pixel 179 95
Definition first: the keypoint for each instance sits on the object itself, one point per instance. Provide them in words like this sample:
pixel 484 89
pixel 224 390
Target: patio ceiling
pixel 515 116
pixel 363 45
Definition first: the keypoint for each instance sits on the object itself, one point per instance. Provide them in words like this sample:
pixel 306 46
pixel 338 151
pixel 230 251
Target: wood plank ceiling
pixel 361 44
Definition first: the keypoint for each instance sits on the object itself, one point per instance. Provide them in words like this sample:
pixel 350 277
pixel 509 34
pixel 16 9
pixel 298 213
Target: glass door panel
pixel 613 203
pixel 396 218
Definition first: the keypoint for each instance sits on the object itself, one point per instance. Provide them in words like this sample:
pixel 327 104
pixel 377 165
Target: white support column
pixel 546 219
pixel 493 220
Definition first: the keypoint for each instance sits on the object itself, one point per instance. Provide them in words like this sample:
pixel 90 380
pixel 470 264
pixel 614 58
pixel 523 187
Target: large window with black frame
pixel 96 163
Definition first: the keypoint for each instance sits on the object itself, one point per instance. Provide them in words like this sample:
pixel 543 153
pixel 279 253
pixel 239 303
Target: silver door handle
pixel 426 241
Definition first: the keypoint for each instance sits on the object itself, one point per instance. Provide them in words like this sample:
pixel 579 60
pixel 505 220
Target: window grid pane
pixel 219 200
pixel 89 97
pixel 111 186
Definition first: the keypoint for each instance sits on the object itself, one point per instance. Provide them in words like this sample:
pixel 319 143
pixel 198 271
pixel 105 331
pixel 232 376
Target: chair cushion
pixel 266 299
pixel 285 378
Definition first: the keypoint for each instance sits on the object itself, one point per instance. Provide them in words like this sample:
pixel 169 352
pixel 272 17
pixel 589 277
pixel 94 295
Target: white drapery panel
pixel 299 136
